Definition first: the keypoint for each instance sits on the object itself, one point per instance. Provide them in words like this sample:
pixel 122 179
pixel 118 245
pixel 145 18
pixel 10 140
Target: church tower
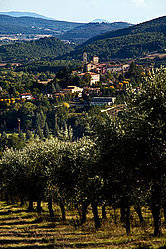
pixel 85 58
pixel 85 61
pixel 95 60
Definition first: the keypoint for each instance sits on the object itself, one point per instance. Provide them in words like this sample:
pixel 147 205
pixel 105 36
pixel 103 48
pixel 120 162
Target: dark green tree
pixel 39 132
pixel 28 135
pixel 46 131
pixel 145 129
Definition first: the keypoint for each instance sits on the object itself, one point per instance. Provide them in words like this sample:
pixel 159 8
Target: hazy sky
pixel 133 11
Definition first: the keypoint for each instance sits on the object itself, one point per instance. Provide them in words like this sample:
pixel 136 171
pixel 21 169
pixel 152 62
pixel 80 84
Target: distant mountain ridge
pixel 21 14
pixel 70 31
pixel 33 25
pixel 99 21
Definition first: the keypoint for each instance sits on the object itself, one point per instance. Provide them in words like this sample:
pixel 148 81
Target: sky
pixel 133 11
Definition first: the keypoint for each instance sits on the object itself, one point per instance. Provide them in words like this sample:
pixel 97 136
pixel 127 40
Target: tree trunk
pixel 139 212
pixel 62 210
pixel 104 215
pixel 157 219
pixel 12 200
pixel 79 210
pixel 21 201
pixel 30 207
pixel 7 199
pixel 50 208
pixel 156 207
pixel 122 214
pixel 164 215
pixel 95 215
pixel 115 216
pixel 1 198
pixel 127 220
pixel 84 212
pixel 39 208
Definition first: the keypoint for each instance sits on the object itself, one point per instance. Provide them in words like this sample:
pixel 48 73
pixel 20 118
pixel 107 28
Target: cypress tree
pixel 39 132
pixel 56 128
pixel 21 136
pixel 46 131
pixel 28 135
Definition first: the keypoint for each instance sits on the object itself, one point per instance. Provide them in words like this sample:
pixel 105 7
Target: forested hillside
pixel 34 50
pixel 132 42
pixel 127 43
pixel 31 25
pixel 84 32
pixel 155 25
pixel 74 32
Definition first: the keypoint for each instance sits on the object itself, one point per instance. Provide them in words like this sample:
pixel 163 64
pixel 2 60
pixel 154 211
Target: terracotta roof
pixel 25 94
pixel 59 94
pixel 82 74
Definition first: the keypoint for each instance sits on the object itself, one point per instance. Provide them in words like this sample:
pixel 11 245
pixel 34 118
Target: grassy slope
pixel 19 229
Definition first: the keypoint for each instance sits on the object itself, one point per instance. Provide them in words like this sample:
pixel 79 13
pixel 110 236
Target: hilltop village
pixel 26 91
pixel 93 83
pixel 98 83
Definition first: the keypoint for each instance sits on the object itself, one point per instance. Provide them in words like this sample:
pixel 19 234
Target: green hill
pixel 32 25
pixel 84 32
pixel 130 42
pixel 45 48
pixel 71 31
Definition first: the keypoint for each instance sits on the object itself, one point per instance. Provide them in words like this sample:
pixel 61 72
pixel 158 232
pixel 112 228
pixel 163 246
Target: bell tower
pixel 85 58
pixel 95 60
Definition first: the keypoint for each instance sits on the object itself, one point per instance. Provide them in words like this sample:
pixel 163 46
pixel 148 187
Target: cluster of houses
pixel 24 97
pixel 98 100
pixel 94 69
pixel 94 77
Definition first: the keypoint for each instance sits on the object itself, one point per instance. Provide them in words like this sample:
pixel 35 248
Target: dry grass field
pixel 20 229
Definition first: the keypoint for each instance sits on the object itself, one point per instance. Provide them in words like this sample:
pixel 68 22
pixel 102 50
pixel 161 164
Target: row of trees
pixel 121 164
